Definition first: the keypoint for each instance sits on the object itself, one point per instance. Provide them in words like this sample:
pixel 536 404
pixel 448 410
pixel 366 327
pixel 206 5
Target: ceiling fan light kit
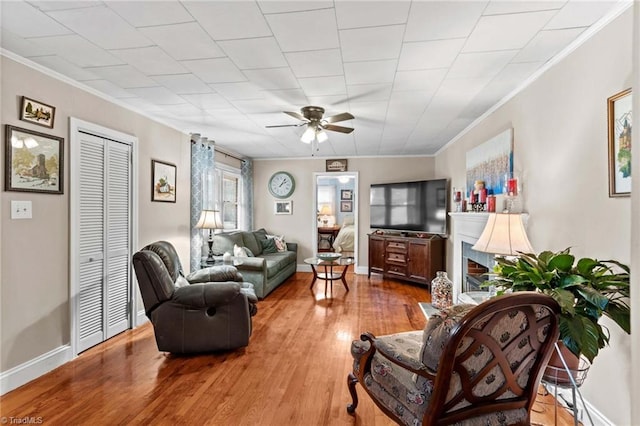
pixel 316 125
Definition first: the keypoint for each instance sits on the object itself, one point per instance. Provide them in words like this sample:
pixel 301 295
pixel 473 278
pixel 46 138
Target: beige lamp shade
pixel 325 210
pixel 210 219
pixel 504 234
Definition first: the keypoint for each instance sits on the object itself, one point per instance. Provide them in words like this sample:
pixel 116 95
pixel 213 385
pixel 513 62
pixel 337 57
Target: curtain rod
pixel 227 154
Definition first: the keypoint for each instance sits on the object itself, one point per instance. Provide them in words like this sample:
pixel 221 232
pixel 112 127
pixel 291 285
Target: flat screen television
pixel 419 206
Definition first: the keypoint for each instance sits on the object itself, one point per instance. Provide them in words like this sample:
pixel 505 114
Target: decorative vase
pixel 441 291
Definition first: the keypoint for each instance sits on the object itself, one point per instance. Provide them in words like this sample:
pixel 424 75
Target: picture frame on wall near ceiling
pixel 336 165
pixel 37 112
pixel 283 207
pixel 619 115
pixel 34 161
pixel 163 181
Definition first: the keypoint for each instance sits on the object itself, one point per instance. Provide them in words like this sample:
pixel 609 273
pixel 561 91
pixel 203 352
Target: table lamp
pixel 211 220
pixel 504 235
pixel 325 212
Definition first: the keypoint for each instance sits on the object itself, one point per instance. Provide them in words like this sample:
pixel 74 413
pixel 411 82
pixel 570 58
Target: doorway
pixel 335 219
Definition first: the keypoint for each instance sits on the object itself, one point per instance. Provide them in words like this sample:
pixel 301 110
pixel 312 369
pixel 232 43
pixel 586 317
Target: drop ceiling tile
pixel 184 41
pixel 357 14
pixel 441 20
pixel 364 44
pixel 59 5
pixel 25 20
pixel 183 84
pixel 502 32
pixel 298 31
pixel 79 51
pixel 227 117
pixel 369 92
pixel 140 14
pixel 109 88
pixel 429 54
pixel 506 7
pixel 370 72
pixel 315 63
pixel 254 53
pixel 427 80
pixel 480 64
pixel 219 70
pixel 368 113
pixel 22 46
pixel 150 60
pixel 228 20
pixel 337 103
pixel 66 68
pixel 207 101
pixel 580 14
pixel 254 106
pixel 158 95
pixel 102 26
pixel 143 105
pixel 323 86
pixel 292 98
pixel 238 91
pixel 547 44
pixel 124 76
pixel 271 6
pixel 182 110
pixel 273 78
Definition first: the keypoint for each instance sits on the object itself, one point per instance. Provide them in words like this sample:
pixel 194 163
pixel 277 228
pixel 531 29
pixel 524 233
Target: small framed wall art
pixel 37 112
pixel 346 194
pixel 619 122
pixel 34 162
pixel 163 181
pixel 336 165
pixel 346 206
pixel 283 207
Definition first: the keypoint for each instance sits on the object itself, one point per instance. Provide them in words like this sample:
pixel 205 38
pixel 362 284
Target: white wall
pixel 35 253
pixel 560 151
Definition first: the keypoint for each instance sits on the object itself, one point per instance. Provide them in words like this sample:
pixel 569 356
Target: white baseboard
pixel 598 418
pixel 141 318
pixel 32 369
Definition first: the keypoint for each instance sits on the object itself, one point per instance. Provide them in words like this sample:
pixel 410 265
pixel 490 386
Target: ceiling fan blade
pixel 340 129
pixel 339 117
pixel 286 125
pixel 296 115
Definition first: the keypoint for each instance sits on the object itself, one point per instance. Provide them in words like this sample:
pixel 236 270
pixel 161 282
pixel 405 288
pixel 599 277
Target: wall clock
pixel 281 185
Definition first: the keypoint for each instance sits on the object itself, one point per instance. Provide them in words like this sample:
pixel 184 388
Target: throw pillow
pixel 181 282
pixel 269 246
pixel 239 251
pixel 279 240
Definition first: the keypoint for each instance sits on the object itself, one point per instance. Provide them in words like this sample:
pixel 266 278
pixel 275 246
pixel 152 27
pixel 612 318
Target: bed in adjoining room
pixel 345 240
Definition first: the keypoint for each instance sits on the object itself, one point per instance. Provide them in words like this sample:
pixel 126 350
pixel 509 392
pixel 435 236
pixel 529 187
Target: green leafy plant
pixel 585 290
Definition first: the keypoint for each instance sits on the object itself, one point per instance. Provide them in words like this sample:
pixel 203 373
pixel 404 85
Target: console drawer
pixel 396 257
pixel 396 270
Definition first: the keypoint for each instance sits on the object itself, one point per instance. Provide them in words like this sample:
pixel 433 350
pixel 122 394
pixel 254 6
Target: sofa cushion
pixel 252 243
pixel 269 246
pixel 278 261
pixel 224 242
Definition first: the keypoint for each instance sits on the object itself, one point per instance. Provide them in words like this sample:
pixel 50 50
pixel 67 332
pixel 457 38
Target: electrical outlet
pixel 21 209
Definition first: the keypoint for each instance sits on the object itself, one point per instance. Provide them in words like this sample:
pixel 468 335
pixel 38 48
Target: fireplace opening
pixel 475 266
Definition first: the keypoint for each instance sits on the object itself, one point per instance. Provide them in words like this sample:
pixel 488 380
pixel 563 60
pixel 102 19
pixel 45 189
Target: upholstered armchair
pixel 208 310
pixel 472 365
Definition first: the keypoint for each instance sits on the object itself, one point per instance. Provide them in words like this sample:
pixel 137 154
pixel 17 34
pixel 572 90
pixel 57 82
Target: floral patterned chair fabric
pixel 472 365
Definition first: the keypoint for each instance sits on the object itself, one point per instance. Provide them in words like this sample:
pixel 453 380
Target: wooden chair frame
pixel 438 409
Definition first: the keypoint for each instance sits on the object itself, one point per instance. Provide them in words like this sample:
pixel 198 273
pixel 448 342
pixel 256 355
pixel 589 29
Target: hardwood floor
pixel 292 373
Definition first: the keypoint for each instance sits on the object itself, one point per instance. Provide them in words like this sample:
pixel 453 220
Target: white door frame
pixel 75 127
pixel 356 211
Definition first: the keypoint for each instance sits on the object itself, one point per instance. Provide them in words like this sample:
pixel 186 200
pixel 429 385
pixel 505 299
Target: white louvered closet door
pixel 104 240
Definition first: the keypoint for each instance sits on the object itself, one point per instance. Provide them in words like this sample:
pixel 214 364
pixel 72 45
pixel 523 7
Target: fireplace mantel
pixel 466 227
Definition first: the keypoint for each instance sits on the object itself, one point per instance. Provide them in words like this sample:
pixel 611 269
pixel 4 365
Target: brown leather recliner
pixel 208 310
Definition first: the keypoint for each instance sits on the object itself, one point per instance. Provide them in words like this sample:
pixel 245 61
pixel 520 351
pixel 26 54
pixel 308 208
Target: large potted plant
pixel 585 290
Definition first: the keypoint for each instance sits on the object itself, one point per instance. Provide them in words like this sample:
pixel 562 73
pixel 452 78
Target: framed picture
pixel 346 194
pixel 283 207
pixel 336 165
pixel 346 206
pixel 34 162
pixel 619 120
pixel 163 181
pixel 37 112
pixel 491 162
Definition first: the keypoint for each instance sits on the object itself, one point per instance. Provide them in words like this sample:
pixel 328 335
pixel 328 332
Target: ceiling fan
pixel 311 116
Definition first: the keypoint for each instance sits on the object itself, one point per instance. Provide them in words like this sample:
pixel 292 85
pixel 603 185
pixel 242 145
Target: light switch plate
pixel 21 209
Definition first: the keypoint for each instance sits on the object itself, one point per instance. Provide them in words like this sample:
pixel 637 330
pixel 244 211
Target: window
pixel 227 188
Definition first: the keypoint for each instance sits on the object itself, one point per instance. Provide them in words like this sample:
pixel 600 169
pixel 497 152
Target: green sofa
pixel 265 271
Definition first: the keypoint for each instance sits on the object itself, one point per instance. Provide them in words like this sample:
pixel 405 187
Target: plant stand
pixel 566 378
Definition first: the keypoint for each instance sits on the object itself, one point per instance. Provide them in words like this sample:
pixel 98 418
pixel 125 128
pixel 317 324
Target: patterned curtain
pixel 246 171
pixel 202 166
